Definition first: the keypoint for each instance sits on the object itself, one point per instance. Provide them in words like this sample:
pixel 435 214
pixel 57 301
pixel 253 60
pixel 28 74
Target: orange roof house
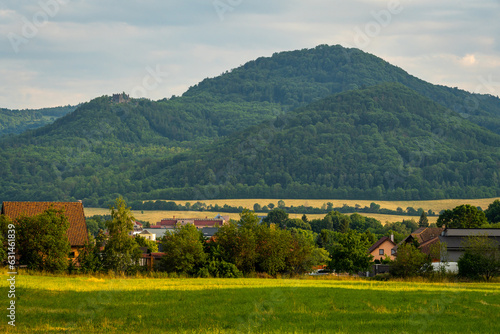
pixel 77 231
pixel 382 248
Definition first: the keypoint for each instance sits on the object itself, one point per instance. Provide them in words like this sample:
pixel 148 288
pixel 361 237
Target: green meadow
pixel 79 304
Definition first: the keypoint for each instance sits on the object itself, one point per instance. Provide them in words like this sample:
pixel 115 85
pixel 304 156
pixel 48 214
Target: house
pixel 455 237
pixel 157 233
pixel 426 237
pixel 382 248
pixel 147 235
pixel 77 231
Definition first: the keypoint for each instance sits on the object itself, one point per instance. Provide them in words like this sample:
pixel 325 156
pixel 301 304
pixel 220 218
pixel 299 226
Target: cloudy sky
pixel 59 52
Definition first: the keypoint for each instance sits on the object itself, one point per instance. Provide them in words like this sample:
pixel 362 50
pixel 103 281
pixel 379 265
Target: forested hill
pixel 297 78
pixel 18 121
pixel 385 141
pixel 270 128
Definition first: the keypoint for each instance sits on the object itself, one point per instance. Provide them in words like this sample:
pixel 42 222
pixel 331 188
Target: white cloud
pixel 90 48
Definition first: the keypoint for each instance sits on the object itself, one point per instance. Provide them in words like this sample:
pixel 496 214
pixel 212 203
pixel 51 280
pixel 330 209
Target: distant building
pixel 200 223
pixel 120 98
pixel 147 235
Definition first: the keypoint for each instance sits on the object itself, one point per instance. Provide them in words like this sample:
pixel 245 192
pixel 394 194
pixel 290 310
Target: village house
pixel 77 231
pixel 383 248
pixel 426 237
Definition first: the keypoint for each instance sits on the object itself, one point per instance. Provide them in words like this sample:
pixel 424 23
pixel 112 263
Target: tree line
pixel 276 245
pixel 325 208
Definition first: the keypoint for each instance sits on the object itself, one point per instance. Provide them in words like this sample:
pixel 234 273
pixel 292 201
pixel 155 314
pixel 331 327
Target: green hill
pixel 270 128
pixel 385 141
pixel 297 78
pixel 18 121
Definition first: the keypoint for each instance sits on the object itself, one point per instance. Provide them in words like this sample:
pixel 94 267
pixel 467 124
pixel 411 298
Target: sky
pixel 60 52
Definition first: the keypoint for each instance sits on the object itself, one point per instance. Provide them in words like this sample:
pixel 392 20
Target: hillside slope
pixel 296 78
pixel 18 121
pixel 385 141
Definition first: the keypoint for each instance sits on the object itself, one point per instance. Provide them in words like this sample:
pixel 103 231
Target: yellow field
pixel 435 206
pixel 155 216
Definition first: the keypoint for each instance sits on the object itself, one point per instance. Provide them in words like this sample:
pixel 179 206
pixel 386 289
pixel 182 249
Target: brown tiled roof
pixel 77 231
pixel 424 234
pixel 426 246
pixel 380 242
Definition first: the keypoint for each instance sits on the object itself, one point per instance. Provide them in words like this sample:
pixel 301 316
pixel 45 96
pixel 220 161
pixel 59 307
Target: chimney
pixel 392 237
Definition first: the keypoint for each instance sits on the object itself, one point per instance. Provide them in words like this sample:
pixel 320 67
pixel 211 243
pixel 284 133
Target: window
pixel 393 251
pixel 380 252
pixel 71 255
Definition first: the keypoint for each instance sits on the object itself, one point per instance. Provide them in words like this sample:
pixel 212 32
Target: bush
pixel 481 258
pixel 223 269
pixel 382 277
pixel 410 261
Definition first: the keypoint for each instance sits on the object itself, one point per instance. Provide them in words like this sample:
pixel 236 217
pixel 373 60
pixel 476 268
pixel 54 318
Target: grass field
pixel 47 304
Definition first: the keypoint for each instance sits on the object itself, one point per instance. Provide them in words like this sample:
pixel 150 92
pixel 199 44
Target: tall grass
pixel 100 304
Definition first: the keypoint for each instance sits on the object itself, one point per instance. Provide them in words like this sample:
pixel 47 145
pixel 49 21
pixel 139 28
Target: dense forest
pixel 325 122
pixel 385 141
pixel 18 121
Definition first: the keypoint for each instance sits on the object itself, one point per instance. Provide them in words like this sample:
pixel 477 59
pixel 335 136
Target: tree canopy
pixel 463 216
pixel 121 252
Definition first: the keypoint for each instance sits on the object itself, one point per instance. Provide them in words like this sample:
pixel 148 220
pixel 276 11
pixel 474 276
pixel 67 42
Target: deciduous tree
pixel 183 250
pixel 349 253
pixel 493 212
pixel 410 261
pixel 277 217
pixel 463 216
pixel 121 252
pixel 481 257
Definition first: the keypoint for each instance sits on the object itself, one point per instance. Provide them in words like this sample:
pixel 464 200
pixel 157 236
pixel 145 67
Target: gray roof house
pixel 454 237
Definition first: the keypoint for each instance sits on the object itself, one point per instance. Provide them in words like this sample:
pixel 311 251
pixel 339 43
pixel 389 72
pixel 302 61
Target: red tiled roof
pixel 77 231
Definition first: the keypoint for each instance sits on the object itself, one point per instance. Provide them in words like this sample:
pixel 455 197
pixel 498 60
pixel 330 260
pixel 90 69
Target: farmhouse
pixel 77 231
pixel 425 237
pixel 382 248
